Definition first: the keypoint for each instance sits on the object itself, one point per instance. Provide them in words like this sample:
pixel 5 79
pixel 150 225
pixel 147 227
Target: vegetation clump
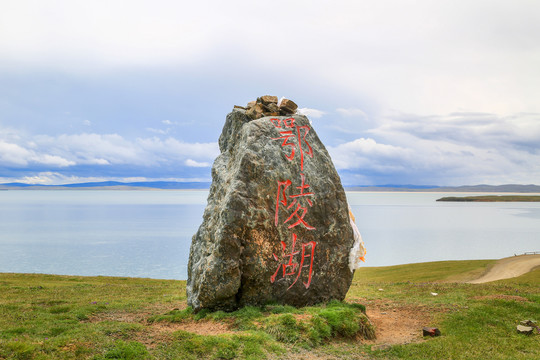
pixel 308 326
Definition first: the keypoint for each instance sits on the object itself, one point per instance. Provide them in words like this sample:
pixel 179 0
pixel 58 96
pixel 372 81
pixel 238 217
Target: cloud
pixel 52 160
pixel 13 154
pixel 448 92
pixel 92 149
pixel 74 152
pixel 193 163
pixel 52 178
pixel 454 149
pixel 311 113
pixel 17 155
pixel 368 154
pixel 469 57
pixel 480 130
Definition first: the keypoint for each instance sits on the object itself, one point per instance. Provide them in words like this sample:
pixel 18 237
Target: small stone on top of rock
pixel 268 105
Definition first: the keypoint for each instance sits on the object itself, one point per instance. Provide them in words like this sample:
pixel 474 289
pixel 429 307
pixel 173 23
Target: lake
pixel 148 233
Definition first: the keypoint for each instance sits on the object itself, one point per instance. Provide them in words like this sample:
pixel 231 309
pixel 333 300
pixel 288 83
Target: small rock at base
pixel 527 330
pixel 428 331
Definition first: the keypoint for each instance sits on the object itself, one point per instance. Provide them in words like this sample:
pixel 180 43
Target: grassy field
pixel 69 317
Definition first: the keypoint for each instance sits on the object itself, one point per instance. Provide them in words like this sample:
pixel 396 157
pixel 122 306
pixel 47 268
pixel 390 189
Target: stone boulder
pixel 276 227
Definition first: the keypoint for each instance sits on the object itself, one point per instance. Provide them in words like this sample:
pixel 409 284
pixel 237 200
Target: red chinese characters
pixel 289 264
pixel 295 137
pixel 295 202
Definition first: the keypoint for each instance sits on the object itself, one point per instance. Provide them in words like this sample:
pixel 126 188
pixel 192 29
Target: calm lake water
pixel 148 233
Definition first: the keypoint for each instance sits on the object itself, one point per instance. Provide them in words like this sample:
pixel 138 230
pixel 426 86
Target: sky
pixel 400 92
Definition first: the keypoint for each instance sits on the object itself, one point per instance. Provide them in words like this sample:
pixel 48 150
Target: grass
pixel 68 317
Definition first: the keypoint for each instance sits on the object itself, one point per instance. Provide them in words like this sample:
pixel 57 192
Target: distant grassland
pixel 493 198
pixel 72 317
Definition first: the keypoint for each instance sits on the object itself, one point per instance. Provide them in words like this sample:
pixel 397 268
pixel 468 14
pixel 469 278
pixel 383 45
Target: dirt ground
pixel 397 323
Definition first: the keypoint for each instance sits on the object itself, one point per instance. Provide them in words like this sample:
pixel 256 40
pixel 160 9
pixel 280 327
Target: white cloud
pixel 104 149
pixel 52 160
pixel 311 113
pixel 367 153
pixel 13 154
pixel 441 57
pixel 193 163
pixel 50 178
pixel 17 155
pixel 474 60
pixel 453 149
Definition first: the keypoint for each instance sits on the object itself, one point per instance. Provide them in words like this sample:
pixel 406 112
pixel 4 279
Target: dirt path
pixel 508 268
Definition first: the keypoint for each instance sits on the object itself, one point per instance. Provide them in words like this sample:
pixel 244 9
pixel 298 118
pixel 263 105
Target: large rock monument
pixel 277 226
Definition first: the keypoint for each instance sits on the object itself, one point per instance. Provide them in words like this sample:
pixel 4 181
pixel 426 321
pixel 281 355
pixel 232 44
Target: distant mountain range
pixel 172 185
pixel 511 188
pixel 113 185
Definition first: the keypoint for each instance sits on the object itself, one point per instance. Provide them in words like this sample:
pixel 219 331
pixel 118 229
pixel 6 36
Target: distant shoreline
pixel 493 198
pixel 171 185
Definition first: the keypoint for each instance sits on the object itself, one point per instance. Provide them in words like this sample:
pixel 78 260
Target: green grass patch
pixel 307 327
pixel 438 271
pixel 131 350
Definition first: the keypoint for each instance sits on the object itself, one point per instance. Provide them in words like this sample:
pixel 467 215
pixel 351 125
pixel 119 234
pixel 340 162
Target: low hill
pixel 509 188
pixel 112 185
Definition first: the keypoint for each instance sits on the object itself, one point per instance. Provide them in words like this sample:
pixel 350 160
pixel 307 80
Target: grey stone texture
pixel 243 252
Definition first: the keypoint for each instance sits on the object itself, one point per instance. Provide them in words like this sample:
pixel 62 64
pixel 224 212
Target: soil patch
pixel 200 327
pixel 397 323
pixel 135 316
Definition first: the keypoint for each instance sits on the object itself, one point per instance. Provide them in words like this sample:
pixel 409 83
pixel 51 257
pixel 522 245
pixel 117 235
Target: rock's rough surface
pixel 276 227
